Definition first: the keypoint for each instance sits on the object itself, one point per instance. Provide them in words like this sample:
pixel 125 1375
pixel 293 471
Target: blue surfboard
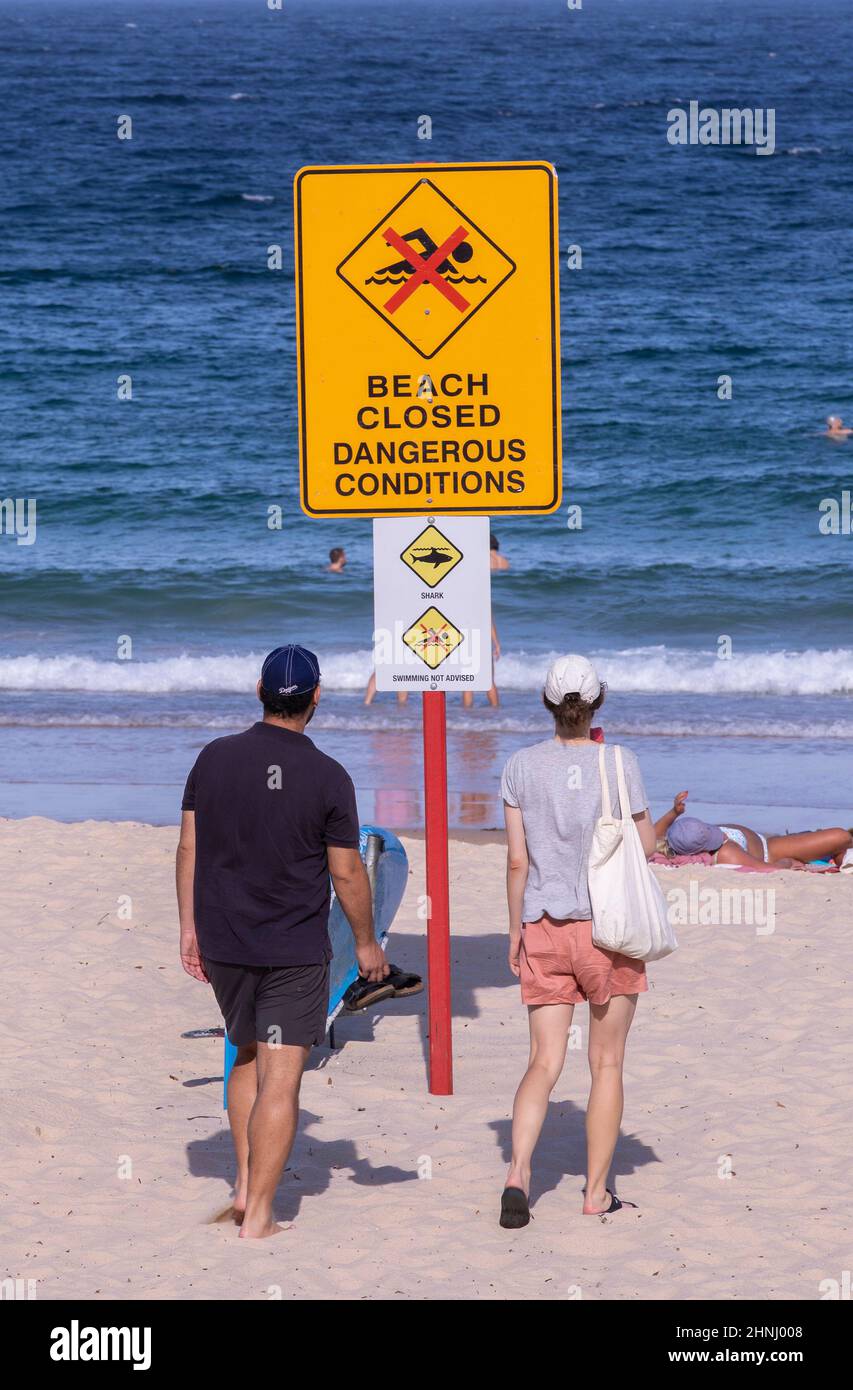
pixel 387 867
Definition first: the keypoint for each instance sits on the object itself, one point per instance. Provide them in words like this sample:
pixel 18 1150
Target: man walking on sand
pixel 267 819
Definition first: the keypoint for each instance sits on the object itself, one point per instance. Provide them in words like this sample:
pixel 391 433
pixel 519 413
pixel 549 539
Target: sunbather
pixel 739 844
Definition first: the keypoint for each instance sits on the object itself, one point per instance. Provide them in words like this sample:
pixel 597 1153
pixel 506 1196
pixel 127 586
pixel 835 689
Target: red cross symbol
pixel 425 269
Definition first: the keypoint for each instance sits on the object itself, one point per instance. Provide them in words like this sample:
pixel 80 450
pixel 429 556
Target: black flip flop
pixel 362 993
pixel 404 981
pixel 396 985
pixel 615 1205
pixel 515 1209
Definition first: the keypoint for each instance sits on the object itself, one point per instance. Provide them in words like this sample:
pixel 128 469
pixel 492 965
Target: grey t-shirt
pixel 558 791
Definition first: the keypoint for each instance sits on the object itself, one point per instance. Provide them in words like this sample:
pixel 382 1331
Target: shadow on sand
pixel 561 1151
pixel 476 962
pixel 309 1172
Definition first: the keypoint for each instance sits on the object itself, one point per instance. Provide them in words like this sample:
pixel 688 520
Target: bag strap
pixel 624 802
pixel 606 811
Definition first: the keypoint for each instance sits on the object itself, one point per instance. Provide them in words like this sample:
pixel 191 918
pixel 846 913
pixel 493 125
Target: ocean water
pixel 700 516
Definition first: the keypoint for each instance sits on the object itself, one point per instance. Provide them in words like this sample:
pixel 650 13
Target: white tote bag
pixel 628 906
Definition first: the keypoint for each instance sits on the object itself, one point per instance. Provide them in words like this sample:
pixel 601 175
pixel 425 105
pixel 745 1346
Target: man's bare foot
pixel 259 1231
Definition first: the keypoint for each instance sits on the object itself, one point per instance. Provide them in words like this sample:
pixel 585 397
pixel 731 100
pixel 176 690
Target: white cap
pixel 572 675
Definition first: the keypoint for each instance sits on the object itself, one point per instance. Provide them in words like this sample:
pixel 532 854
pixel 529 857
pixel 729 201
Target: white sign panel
pixel 432 603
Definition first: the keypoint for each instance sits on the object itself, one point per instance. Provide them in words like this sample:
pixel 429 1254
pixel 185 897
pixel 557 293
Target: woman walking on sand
pixel 552 800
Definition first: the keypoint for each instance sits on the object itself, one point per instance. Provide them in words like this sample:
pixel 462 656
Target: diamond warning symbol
pixel 433 637
pixel 426 268
pixel 432 556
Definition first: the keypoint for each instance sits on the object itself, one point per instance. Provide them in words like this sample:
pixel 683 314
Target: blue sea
pixel 701 515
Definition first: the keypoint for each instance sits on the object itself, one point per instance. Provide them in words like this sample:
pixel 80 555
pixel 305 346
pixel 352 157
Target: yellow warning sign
pixel 432 556
pixel 427 336
pixel 426 268
pixel 433 637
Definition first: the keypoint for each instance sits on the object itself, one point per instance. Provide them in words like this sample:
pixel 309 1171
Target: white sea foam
pixel 176 673
pixel 257 197
pixel 641 670
pixel 653 669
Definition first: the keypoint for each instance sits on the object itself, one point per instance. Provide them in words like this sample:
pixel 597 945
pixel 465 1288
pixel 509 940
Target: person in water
pixel 836 428
pixel 337 560
pixel 492 692
pixel 496 560
pixel 552 799
pixel 739 844
pixel 370 692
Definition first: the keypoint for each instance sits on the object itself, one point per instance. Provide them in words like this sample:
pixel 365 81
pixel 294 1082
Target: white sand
pixel 741 1048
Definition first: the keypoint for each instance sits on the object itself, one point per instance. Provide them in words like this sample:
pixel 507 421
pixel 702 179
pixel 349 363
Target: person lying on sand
pixel 739 844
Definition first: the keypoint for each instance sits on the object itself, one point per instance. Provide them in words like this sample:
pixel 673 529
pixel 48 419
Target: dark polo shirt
pixel 267 805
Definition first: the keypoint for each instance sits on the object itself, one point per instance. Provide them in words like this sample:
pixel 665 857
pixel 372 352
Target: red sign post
pixel 438 894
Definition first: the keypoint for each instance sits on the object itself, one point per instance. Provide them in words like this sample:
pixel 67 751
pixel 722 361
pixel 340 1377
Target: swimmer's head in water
pixel 689 835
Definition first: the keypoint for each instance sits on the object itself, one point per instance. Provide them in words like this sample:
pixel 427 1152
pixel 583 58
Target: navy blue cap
pixel 290 670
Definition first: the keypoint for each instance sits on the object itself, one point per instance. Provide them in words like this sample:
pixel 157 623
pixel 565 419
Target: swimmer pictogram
pixel 431 556
pixel 445 269
pixel 436 265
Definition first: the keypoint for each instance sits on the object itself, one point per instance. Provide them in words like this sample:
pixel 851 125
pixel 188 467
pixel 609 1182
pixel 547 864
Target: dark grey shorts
pixel 283 1004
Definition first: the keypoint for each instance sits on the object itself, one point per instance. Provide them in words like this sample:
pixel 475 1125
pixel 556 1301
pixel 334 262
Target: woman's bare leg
pixel 549 1036
pixel 608 1029
pixel 811 844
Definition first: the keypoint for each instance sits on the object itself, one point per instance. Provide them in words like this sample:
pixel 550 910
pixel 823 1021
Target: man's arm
pixel 352 888
pixel 184 876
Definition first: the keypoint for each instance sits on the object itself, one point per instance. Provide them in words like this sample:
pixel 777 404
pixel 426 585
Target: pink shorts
pixel 560 965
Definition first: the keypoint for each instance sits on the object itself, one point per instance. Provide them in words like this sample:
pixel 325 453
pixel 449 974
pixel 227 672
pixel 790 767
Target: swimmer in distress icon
pixel 433 637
